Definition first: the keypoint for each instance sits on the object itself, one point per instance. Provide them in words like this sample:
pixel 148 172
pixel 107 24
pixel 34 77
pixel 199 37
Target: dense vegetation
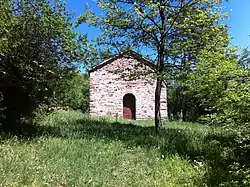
pixel 208 82
pixel 72 91
pixel 37 48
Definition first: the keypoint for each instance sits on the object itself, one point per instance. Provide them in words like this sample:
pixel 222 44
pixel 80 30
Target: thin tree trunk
pixel 159 81
pixel 160 64
pixel 183 105
pixel 183 97
pixel 158 120
pixel 193 114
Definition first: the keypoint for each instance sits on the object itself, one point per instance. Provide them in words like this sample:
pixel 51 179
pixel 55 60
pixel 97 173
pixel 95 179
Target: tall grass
pixel 72 149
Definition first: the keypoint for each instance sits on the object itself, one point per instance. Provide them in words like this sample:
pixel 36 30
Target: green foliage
pixel 178 27
pixel 73 91
pixel 36 42
pixel 244 60
pixel 222 87
pixel 173 102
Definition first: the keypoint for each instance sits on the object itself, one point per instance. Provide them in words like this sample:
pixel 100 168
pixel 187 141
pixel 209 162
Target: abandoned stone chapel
pixel 124 86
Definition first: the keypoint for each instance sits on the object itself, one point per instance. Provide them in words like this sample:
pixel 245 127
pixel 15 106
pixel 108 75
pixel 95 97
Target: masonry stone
pixel 114 78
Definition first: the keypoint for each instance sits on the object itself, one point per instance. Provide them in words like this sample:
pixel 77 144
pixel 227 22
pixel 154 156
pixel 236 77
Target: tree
pixel 36 43
pixel 244 60
pixel 72 90
pixel 222 87
pixel 168 29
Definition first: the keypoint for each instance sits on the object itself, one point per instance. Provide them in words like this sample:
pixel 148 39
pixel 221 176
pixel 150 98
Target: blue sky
pixel 239 20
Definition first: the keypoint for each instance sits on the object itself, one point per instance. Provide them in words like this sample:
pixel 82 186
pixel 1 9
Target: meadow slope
pixel 68 148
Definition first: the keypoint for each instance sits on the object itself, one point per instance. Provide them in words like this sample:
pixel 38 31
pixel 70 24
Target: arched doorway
pixel 129 106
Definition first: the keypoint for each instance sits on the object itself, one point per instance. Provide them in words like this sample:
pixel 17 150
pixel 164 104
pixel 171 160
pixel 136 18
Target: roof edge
pixel 128 53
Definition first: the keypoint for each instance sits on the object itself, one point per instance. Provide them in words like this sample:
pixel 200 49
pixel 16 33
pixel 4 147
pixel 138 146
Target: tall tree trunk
pixel 183 97
pixel 160 68
pixel 158 120
pixel 159 81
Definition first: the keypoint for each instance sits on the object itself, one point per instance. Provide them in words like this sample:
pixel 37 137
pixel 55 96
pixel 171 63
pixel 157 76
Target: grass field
pixel 72 149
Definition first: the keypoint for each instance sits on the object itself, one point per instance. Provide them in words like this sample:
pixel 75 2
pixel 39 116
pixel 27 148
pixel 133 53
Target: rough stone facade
pixel 109 85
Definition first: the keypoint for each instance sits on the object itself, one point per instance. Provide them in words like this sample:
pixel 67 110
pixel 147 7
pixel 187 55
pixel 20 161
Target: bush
pixel 36 43
pixel 73 91
pixel 223 87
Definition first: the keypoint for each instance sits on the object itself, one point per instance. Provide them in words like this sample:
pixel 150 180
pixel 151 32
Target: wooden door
pixel 129 106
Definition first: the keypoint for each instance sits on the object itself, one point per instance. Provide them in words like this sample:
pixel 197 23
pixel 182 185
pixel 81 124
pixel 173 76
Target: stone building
pixel 123 86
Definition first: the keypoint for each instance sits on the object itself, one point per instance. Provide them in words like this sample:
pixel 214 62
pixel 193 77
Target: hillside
pixel 72 149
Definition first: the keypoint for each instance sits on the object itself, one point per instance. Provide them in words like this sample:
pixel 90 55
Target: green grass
pixel 72 149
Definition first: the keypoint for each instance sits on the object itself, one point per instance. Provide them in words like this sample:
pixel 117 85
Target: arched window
pixel 129 107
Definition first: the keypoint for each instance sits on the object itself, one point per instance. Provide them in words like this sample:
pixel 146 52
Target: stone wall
pixel 108 85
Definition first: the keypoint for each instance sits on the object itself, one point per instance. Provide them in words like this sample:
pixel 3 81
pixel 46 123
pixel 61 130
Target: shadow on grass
pixel 214 149
pixel 27 131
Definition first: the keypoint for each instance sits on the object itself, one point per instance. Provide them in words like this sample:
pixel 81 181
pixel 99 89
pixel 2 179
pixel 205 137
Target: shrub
pixel 73 91
pixel 223 87
pixel 36 42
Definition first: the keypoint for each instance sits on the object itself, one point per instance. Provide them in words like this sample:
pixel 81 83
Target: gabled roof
pixel 127 54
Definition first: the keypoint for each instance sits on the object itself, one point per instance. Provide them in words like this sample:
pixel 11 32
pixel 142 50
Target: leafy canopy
pixel 146 26
pixel 37 43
